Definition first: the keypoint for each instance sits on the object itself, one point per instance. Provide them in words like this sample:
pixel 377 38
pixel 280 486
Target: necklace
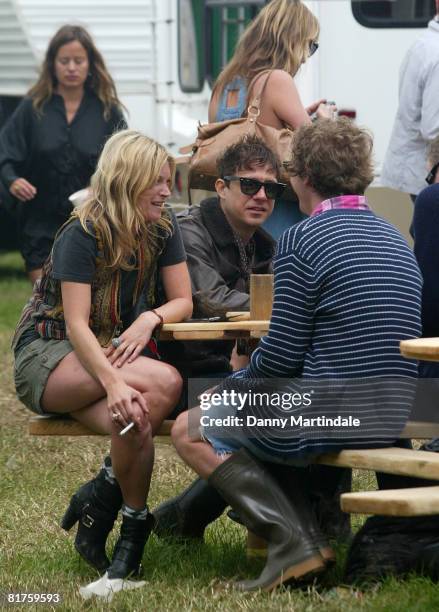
pixel 246 253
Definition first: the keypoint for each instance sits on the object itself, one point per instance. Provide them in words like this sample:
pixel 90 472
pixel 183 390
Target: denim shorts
pixel 236 438
pixel 33 365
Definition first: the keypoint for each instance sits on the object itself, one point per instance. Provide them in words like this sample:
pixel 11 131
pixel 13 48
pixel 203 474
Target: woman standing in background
pixel 268 55
pixel 50 145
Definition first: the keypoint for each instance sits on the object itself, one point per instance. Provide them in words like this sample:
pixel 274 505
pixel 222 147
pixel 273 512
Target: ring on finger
pixel 116 416
pixel 116 342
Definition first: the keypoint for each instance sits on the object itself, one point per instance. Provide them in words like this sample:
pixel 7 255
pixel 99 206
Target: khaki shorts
pixel 33 364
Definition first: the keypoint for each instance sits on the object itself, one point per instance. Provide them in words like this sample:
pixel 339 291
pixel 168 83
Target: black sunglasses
pixel 431 176
pixel 313 46
pixel 250 186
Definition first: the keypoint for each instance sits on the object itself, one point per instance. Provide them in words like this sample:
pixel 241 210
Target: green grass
pixel 38 475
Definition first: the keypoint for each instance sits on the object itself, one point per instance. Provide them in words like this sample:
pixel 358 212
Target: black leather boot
pixel 290 483
pixel 188 514
pixel 264 509
pixel 128 551
pixel 325 484
pixel 289 479
pixel 94 506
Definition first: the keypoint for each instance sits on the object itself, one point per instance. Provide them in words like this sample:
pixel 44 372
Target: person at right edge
pixel 417 118
pixel 426 248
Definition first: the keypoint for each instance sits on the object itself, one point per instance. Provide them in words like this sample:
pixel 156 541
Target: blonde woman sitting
pixel 82 348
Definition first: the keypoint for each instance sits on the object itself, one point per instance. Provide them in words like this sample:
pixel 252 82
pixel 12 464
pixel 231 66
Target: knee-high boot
pixel 264 509
pixel 188 514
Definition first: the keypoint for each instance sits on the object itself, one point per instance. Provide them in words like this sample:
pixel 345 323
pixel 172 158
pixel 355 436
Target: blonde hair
pixel 99 79
pixel 278 37
pixel 129 163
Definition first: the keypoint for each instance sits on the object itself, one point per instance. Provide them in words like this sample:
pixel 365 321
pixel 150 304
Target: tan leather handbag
pixel 214 138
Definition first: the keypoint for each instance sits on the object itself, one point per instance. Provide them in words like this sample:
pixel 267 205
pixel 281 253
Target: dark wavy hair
pixel 246 153
pixel 335 157
pixel 99 79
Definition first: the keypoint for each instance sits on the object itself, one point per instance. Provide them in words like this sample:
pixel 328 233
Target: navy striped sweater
pixel 347 290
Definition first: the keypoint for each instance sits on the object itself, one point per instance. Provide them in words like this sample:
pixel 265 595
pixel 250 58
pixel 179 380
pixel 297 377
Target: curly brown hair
pixel 433 152
pixel 99 79
pixel 335 157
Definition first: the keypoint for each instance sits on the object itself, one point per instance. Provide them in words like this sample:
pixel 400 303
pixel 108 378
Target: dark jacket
pixel 58 158
pixel 219 283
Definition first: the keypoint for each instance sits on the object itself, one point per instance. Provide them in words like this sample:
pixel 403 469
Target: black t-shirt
pixel 426 234
pixel 74 260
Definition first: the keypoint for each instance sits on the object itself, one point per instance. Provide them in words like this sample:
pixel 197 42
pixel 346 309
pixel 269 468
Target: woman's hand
pixel 312 108
pixel 133 340
pixel 326 111
pixel 22 190
pixel 126 405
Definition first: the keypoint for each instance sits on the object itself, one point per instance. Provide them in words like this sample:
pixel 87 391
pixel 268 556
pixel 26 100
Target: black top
pixel 426 234
pixel 74 260
pixel 219 283
pixel 58 158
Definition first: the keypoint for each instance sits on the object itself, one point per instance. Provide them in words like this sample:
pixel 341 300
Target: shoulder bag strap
pixel 255 102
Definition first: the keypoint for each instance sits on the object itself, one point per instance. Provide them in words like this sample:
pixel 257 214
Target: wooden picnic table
pixel 221 330
pixel 426 349
pixel 403 502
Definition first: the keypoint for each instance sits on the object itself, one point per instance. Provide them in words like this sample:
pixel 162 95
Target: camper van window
pixel 190 45
pixel 224 26
pixel 393 13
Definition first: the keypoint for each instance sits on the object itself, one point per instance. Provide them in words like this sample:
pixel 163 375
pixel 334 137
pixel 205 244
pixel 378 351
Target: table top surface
pixel 426 349
pixel 219 330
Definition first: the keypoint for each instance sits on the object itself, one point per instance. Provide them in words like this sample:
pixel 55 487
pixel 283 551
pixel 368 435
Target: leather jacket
pixel 219 282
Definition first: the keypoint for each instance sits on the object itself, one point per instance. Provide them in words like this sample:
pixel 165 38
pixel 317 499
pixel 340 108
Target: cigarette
pixel 126 429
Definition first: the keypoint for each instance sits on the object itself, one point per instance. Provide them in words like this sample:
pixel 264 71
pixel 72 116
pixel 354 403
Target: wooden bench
pixel 401 461
pixel 393 502
pixel 66 426
pixel 54 425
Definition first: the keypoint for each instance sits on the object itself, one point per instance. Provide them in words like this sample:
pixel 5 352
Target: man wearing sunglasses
pixel 225 243
pixel 346 292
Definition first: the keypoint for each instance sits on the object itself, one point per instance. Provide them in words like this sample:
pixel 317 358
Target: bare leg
pixel 96 416
pixel 133 458
pixel 199 455
pixel 71 389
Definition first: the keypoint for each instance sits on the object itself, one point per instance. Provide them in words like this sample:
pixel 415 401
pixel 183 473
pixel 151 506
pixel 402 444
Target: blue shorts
pixel 236 439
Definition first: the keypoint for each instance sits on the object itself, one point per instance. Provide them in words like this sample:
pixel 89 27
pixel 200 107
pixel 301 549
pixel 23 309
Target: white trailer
pixel 164 55
pixel 138 39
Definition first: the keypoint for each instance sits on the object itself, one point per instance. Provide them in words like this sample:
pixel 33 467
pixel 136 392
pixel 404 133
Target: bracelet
pixel 159 325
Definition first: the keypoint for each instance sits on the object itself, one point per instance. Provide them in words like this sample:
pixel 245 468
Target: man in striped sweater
pixel 347 291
